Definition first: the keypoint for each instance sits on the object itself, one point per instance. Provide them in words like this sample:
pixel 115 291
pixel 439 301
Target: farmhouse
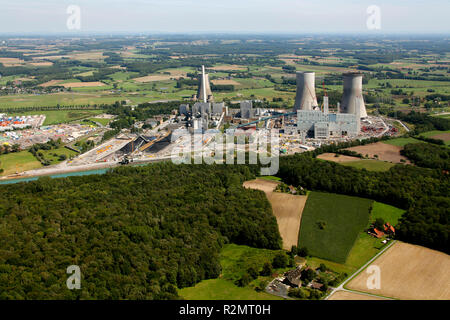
pixel 388 229
pixel 292 277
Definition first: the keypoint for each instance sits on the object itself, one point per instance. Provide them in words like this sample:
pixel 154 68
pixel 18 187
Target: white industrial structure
pixel 321 125
pixel 306 93
pixel 353 96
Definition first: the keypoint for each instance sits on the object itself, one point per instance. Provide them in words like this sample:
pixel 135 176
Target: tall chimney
pixel 306 93
pixel 353 93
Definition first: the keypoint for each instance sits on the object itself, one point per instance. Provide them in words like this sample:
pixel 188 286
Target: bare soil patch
pixel 385 152
pixel 286 208
pixel 341 158
pixel 225 82
pixel 83 84
pixel 41 64
pixel 228 67
pixel 409 272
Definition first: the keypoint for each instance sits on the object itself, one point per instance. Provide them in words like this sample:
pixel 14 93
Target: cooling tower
pixel 306 93
pixel 353 95
pixel 204 93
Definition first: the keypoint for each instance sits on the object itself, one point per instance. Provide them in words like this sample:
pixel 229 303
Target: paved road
pixel 341 287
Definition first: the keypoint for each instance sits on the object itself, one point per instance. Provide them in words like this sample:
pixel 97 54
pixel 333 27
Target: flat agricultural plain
pixel 286 208
pixel 409 272
pixel 385 152
pixel 346 295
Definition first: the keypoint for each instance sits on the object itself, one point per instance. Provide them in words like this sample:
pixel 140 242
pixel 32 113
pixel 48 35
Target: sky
pixel 225 16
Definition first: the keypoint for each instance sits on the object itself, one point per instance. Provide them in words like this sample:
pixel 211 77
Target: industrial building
pixel 247 110
pixel 321 125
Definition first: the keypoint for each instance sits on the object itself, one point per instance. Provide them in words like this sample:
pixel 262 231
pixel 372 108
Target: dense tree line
pixel 422 122
pixel 428 155
pixel 423 192
pixel 135 232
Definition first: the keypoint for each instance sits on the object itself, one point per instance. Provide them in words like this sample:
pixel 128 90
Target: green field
pixel 272 178
pixel 430 134
pixel 401 142
pixel 18 161
pixel 342 219
pixel 102 121
pixel 235 261
pixel 367 246
pixel 62 116
pixel 371 165
pixel 53 155
pixel 388 213
pixel 220 289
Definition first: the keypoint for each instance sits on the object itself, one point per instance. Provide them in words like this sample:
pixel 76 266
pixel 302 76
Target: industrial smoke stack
pixel 204 93
pixel 353 94
pixel 306 93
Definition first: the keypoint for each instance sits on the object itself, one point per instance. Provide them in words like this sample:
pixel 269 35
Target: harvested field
pixel 225 82
pixel 341 158
pixel 346 295
pixel 174 74
pixel 286 208
pixel 50 83
pixel 228 67
pixel 385 152
pixel 259 184
pixel 11 62
pixel 41 64
pixel 83 84
pixel 410 272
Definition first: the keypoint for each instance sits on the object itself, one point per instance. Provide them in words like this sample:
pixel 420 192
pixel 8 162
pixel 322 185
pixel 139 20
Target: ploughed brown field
pixel 346 295
pixel 341 158
pixel 72 84
pixel 409 272
pixel 225 82
pixel 385 152
pixel 286 208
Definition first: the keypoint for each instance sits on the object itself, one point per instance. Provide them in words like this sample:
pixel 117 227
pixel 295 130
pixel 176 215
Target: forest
pixel 422 192
pixel 428 155
pixel 136 232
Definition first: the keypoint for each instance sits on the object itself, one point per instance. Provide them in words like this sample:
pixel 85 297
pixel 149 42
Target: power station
pixel 313 122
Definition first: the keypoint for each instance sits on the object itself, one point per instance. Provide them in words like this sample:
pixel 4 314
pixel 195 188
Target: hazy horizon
pixel 231 17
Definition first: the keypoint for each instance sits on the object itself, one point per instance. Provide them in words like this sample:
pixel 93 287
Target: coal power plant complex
pixel 311 122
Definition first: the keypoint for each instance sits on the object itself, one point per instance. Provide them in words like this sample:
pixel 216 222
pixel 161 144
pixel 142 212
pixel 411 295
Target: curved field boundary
pixel 287 208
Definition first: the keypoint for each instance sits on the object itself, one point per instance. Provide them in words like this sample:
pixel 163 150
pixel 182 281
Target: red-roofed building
pixel 388 228
pixel 377 233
